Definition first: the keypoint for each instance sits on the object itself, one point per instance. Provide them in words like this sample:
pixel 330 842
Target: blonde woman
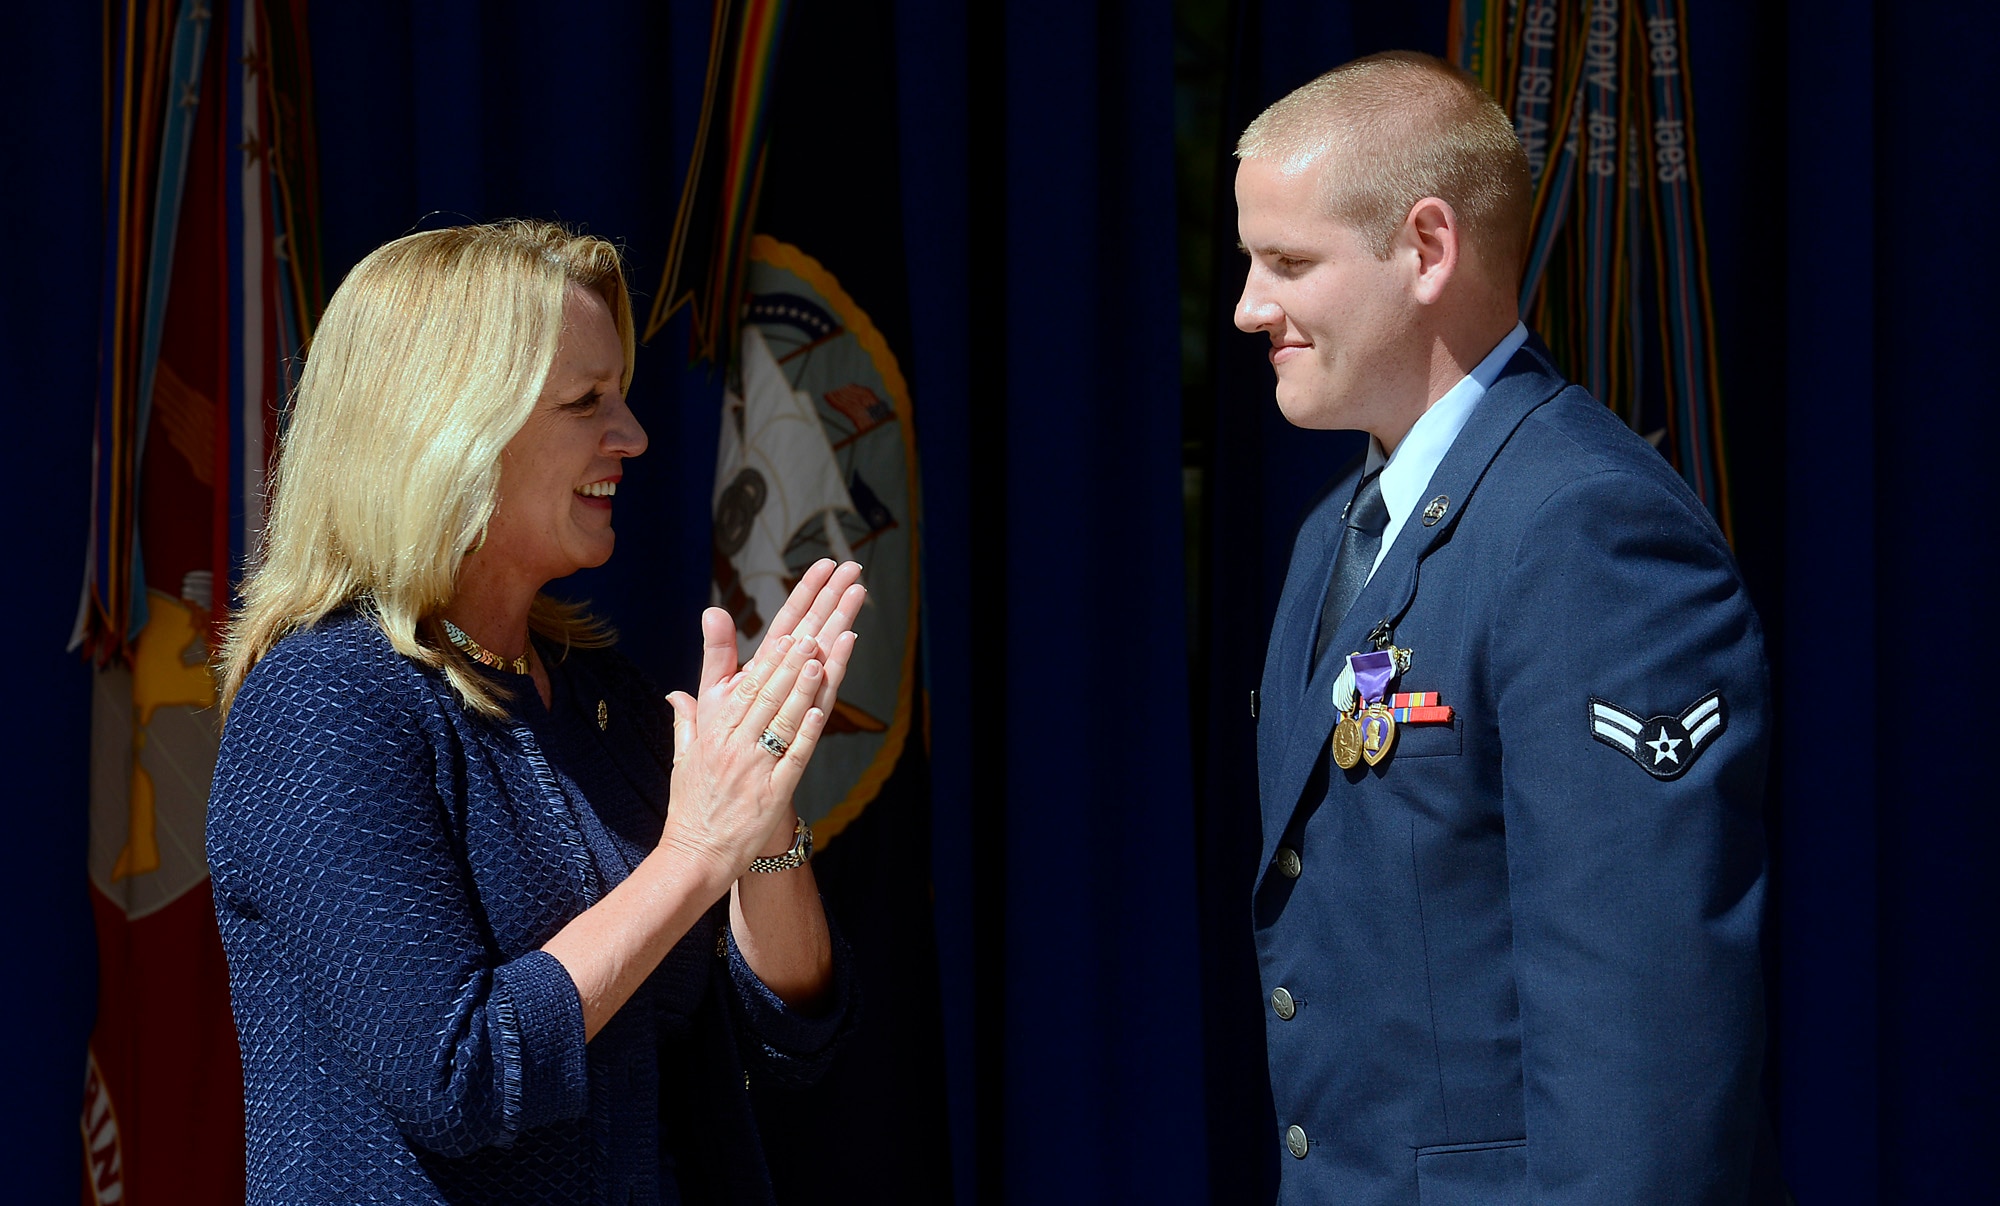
pixel 501 926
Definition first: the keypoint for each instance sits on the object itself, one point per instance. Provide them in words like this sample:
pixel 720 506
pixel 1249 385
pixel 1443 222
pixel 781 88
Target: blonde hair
pixel 429 359
pixel 1404 126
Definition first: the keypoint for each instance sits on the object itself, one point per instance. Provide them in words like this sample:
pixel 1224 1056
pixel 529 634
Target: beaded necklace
pixel 479 653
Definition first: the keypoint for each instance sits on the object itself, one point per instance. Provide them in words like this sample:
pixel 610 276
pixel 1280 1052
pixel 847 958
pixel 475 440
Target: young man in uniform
pixel 1513 724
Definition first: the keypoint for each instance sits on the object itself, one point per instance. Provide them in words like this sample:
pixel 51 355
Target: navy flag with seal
pixel 1663 746
pixel 817 457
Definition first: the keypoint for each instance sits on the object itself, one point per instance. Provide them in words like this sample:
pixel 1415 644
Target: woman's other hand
pixel 779 924
pixel 823 606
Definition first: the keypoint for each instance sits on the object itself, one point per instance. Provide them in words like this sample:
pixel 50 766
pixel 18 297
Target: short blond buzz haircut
pixel 1403 126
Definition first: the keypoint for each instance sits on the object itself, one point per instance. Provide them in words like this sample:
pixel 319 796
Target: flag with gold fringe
pixel 211 284
pixel 1601 96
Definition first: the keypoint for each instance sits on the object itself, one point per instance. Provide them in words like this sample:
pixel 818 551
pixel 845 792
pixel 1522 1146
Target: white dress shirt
pixel 1409 470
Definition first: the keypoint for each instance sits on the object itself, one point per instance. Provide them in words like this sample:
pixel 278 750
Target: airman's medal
pixel 1347 733
pixel 1347 742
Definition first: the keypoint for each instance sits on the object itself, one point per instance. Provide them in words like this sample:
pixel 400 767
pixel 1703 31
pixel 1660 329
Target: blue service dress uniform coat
pixel 1519 957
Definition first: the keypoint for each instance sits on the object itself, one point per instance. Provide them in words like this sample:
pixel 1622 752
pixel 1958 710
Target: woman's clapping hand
pixel 732 795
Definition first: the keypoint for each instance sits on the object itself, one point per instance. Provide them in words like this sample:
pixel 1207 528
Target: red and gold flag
pixel 211 274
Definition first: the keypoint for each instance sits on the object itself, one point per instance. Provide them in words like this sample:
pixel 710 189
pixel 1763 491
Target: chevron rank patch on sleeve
pixel 1663 746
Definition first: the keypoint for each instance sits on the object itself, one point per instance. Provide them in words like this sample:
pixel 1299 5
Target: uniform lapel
pixel 1287 752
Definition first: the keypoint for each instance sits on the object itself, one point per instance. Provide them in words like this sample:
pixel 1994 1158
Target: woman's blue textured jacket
pixel 387 866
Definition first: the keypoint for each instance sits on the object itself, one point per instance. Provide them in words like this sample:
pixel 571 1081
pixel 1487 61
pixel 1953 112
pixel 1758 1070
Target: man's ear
pixel 1431 235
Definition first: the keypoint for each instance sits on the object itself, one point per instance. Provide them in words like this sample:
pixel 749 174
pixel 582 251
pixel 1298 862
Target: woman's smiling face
pixel 559 472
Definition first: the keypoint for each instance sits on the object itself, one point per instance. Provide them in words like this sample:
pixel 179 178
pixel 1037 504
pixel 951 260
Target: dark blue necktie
pixel 1367 515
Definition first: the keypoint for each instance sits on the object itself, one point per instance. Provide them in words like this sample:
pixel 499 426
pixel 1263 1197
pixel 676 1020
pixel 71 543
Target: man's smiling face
pixel 1338 317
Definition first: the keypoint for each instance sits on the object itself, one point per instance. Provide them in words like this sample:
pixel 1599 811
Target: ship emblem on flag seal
pixel 817 459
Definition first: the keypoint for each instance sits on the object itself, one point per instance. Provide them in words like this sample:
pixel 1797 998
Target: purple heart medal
pixel 1377 723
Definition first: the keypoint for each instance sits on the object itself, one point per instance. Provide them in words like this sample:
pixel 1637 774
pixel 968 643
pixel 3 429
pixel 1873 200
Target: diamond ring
pixel 773 744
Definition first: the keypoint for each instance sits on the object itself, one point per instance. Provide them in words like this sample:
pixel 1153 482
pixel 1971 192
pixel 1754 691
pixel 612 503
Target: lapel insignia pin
pixel 1663 746
pixel 1436 510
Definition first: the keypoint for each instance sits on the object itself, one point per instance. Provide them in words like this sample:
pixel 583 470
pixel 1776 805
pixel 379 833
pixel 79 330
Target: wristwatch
pixel 802 849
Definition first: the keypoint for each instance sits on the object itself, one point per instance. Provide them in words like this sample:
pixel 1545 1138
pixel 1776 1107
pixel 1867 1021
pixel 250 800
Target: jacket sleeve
pixel 786 1044
pixel 329 833
pixel 1637 900
pixel 790 1045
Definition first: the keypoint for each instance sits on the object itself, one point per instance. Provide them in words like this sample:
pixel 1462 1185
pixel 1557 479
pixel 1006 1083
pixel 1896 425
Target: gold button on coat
pixel 1295 1141
pixel 1282 1005
pixel 1289 865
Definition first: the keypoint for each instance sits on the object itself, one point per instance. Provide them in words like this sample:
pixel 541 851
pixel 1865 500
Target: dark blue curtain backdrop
pixel 1102 1038
pixel 1094 821
pixel 49 202
pixel 1888 1054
